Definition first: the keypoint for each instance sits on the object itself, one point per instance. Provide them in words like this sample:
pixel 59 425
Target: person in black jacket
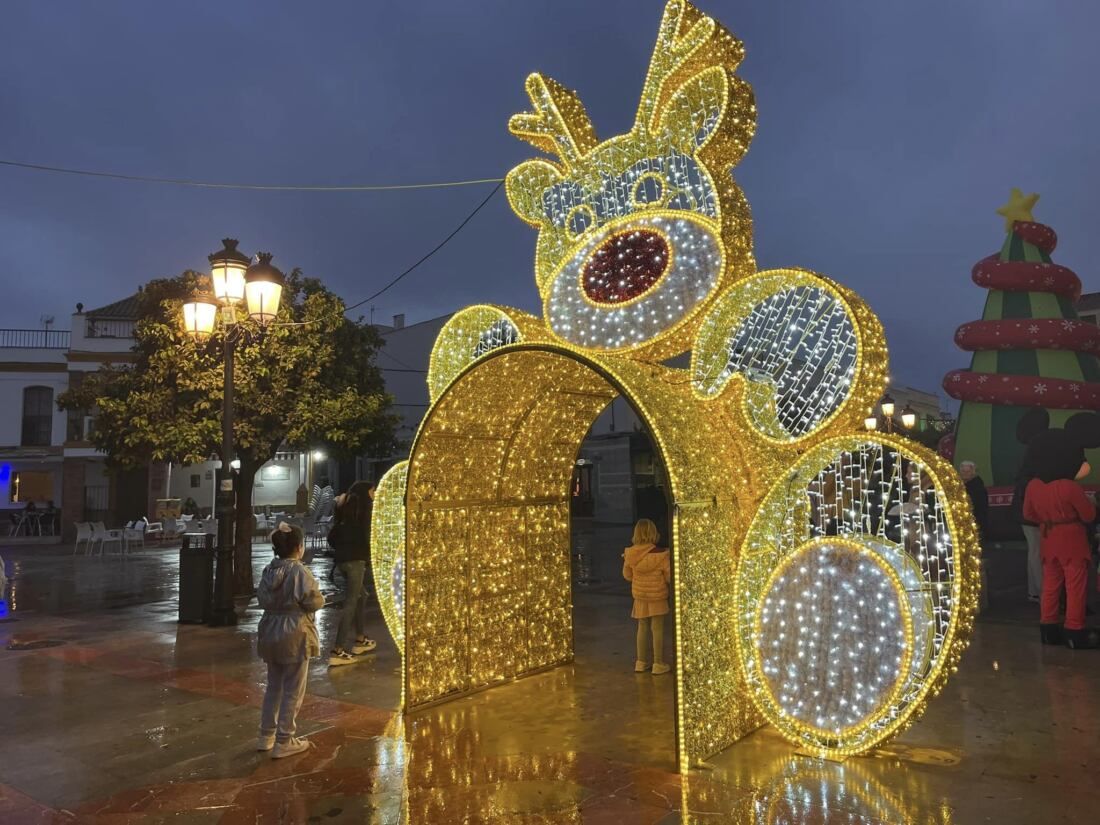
pixel 350 541
pixel 979 498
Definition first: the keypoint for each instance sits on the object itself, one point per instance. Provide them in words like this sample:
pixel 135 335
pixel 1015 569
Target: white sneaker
pixel 364 646
pixel 291 747
pixel 265 742
pixel 662 668
pixel 640 667
pixel 339 658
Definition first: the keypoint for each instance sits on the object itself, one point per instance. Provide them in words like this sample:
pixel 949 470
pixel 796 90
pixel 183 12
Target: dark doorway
pixel 632 714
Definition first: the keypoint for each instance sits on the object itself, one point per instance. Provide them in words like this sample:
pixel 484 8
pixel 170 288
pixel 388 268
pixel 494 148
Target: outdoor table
pixel 30 521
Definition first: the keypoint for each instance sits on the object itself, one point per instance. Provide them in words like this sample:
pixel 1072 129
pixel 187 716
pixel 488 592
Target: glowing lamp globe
pixel 263 289
pixel 200 315
pixel 908 418
pixel 887 406
pixel 227 268
pixel 870 422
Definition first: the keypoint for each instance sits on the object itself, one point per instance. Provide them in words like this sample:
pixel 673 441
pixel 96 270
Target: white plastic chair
pixel 83 534
pixel 104 536
pixel 154 529
pixel 318 532
pixel 172 528
pixel 133 533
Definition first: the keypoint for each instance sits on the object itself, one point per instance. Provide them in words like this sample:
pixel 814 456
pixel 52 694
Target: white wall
pixel 404 364
pixel 12 385
pixel 179 483
pixel 276 483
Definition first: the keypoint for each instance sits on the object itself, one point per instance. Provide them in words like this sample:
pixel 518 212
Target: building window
pixel 31 486
pixel 37 416
pixel 1089 319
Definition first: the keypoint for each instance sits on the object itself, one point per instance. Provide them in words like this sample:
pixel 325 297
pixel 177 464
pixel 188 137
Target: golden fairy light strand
pixel 388 549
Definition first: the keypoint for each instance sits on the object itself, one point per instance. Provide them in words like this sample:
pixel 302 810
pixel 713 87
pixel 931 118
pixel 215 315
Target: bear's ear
pixel 1084 428
pixel 1034 421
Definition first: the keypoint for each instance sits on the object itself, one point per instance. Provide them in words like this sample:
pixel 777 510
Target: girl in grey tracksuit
pixel 287 639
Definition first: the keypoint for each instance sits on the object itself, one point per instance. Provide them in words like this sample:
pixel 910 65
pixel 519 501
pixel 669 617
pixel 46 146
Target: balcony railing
pixel 34 339
pixel 107 328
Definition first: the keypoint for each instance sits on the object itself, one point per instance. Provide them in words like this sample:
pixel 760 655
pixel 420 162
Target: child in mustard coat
pixel 646 566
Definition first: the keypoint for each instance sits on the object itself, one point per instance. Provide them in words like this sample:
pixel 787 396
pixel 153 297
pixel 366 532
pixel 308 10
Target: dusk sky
pixel 888 134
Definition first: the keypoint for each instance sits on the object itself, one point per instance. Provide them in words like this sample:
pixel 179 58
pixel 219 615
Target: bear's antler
pixel 559 125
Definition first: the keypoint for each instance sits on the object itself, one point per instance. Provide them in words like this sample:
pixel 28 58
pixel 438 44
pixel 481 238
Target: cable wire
pixel 262 187
pixel 394 282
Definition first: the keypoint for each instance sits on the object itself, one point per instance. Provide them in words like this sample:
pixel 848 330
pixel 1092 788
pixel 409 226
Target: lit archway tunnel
pixel 487 587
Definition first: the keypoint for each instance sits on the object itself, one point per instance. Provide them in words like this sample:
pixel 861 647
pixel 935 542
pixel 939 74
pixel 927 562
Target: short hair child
pixel 286 539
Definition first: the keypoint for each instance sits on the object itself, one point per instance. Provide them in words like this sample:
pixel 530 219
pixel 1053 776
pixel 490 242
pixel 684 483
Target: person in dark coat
pixel 979 498
pixel 350 541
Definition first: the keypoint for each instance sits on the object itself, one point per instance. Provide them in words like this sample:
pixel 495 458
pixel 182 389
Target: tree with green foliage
pixel 307 380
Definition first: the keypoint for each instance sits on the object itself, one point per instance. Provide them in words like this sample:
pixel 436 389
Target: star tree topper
pixel 1018 208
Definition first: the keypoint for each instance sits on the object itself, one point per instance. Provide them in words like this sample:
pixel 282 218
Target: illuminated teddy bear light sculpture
pixel 825 577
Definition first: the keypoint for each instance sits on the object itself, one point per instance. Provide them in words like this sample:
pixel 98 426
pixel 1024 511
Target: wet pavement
pixel 133 718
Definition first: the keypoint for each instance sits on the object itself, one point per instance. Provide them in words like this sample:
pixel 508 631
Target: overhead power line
pixel 261 187
pixel 423 258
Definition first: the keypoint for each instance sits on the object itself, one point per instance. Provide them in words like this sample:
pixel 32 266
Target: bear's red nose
pixel 625 265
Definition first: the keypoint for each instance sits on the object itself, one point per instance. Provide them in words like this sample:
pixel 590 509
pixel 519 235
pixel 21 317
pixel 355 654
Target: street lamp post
pixel 887 407
pixel 260 287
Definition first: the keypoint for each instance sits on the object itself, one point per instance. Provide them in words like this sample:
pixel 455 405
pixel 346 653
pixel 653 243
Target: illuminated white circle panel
pixel 833 641
pixel 692 270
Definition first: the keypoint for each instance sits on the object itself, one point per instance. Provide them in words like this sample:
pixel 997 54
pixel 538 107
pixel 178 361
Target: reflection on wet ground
pixel 136 719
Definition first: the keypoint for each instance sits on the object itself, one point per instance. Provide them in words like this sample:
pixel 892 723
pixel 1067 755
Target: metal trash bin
pixel 196 587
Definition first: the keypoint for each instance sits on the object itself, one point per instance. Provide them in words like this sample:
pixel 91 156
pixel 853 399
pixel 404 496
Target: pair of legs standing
pixel 286 687
pixel 351 636
pixel 651 626
pixel 1073 573
pixel 1034 561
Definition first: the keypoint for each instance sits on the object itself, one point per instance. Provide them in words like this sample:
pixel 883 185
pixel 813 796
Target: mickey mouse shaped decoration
pixel 1055 458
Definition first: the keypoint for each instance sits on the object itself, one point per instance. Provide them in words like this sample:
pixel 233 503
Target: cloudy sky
pixel 888 134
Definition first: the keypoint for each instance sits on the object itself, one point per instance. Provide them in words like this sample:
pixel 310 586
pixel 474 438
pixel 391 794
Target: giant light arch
pixel 825 578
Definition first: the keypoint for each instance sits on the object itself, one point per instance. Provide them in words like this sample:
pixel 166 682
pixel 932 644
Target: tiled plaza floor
pixel 134 718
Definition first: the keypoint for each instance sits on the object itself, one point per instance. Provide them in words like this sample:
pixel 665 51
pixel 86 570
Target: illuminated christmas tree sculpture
pixel 1030 349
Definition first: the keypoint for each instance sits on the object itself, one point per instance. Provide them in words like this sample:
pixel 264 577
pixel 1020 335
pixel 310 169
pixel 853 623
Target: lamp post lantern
pixel 260 286
pixel 887 407
pixel 908 417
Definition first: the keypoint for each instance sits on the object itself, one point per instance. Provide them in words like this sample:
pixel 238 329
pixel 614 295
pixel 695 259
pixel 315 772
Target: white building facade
pixel 46 455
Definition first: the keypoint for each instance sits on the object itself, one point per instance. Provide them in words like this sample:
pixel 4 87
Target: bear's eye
pixel 579 220
pixel 650 190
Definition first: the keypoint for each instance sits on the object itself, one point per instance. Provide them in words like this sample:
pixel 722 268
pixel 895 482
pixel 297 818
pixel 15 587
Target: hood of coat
pixel 643 557
pixel 273 591
pixel 276 572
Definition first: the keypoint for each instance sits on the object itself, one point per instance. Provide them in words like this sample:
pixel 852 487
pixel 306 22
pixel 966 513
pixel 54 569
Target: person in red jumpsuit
pixel 1058 504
